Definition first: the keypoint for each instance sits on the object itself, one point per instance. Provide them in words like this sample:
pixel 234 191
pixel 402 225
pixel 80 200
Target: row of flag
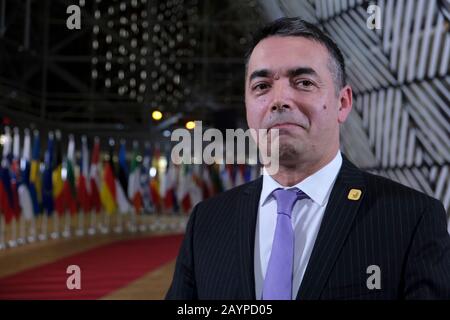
pixel 91 181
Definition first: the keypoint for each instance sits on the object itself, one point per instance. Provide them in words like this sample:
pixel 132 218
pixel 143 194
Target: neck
pixel 291 175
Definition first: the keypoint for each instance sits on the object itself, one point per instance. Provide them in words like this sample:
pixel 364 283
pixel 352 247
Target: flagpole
pixel 173 220
pixel 118 228
pixel 180 218
pixel 163 223
pixel 160 225
pixel 22 230
pixel 80 231
pixel 142 222
pixel 154 221
pixel 132 223
pixel 44 221
pixel 38 226
pixel 67 218
pixel 69 223
pixel 134 217
pixel 13 242
pixel 129 222
pixel 149 221
pixel 32 230
pixel 92 228
pixel 102 223
pixel 2 232
pixel 183 223
pixel 55 233
pixel 139 224
pixel 107 223
pixel 105 226
pixel 146 221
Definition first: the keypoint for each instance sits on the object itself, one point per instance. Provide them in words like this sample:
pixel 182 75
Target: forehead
pixel 281 53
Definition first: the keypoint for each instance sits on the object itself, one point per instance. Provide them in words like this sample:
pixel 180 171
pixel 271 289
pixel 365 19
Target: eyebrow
pixel 262 73
pixel 302 71
pixel 265 73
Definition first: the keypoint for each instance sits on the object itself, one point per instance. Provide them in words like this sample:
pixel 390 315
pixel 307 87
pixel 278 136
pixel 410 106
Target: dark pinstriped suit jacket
pixel 392 226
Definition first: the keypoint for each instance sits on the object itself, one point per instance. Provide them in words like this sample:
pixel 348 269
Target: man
pixel 319 228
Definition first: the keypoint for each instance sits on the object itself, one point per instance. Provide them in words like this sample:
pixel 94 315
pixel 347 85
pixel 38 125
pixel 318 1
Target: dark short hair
pixel 285 27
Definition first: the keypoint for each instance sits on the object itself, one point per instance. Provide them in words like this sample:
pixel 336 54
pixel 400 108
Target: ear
pixel 345 103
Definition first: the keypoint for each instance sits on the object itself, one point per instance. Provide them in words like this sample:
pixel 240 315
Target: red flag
pixel 6 196
pixel 186 203
pixel 82 194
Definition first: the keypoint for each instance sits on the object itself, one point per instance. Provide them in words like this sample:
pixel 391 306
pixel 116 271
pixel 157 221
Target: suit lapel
pixel 335 226
pixel 247 207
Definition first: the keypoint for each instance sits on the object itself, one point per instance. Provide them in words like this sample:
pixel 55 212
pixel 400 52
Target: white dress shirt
pixel 306 219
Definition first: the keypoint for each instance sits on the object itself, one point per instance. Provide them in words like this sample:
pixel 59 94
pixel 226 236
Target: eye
pixel 261 86
pixel 304 83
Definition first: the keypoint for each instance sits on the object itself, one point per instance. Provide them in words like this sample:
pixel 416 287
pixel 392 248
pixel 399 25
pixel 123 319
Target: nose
pixel 280 107
pixel 281 101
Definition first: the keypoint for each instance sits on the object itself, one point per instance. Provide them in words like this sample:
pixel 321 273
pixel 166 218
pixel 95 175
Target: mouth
pixel 284 125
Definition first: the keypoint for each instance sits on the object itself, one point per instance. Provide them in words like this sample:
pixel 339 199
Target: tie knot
pixel 287 198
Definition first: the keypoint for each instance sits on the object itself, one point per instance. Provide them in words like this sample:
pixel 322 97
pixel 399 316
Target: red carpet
pixel 103 269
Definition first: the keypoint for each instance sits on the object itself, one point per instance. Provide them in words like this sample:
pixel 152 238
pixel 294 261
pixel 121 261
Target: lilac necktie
pixel 278 280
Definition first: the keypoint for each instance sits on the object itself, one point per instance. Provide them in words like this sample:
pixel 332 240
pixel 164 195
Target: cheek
pixel 255 109
pixel 252 116
pixel 325 118
pixel 319 117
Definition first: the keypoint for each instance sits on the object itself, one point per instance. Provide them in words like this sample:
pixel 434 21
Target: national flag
pixel 35 175
pixel 122 181
pixel 134 187
pixel 208 186
pixel 15 172
pixel 122 175
pixel 58 183
pixel 247 173
pixel 240 175
pixel 68 176
pixel 196 185
pixel 226 177
pixel 144 181
pixel 25 200
pixel 154 181
pixel 121 199
pixel 94 177
pixel 47 179
pixel 185 181
pixel 6 193
pixel 159 165
pixel 215 178
pixel 255 172
pixel 108 185
pixel 83 187
pixel 170 196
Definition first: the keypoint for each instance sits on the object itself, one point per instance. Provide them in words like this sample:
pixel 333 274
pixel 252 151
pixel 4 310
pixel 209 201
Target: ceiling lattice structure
pixel 183 57
pixel 400 125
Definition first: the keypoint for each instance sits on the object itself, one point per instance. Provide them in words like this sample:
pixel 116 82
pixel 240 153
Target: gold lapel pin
pixel 354 194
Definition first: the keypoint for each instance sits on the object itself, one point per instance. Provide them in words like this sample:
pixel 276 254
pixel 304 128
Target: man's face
pixel 289 86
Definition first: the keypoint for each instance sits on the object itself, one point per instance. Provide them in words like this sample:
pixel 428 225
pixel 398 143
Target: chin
pixel 289 154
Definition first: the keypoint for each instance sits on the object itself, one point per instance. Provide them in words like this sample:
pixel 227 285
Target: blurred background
pixel 135 71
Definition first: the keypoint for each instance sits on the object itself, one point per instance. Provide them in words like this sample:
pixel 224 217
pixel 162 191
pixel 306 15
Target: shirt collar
pixel 317 186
